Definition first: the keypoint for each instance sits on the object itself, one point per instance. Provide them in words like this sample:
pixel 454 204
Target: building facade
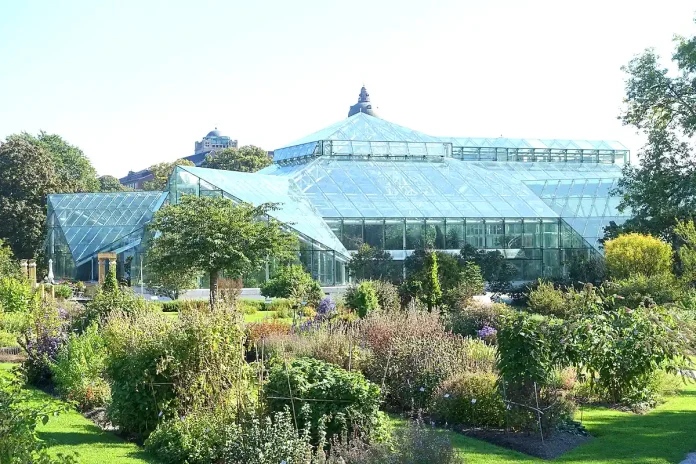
pixel 541 203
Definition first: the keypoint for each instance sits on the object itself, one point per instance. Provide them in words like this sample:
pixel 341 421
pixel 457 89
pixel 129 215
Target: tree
pixel 495 268
pixel 419 279
pixel 28 176
pixel 631 254
pixel 8 265
pixel 169 283
pixel 362 298
pixel 431 287
pixel 72 167
pixel 661 190
pixel 161 173
pixel 214 235
pixel 244 159
pixel 370 263
pixel 110 184
pixel 686 231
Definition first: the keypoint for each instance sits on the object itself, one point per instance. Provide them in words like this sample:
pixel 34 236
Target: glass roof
pixel 294 208
pixel 417 189
pixel 91 222
pixel 365 130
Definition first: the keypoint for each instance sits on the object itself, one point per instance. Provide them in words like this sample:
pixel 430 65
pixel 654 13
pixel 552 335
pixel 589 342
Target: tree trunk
pixel 214 290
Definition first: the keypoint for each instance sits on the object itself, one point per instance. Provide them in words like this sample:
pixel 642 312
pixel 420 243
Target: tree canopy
pixel 161 173
pixel 661 190
pixel 214 235
pixel 248 158
pixel 110 184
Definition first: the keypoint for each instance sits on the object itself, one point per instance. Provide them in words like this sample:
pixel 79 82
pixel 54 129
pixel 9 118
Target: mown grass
pixel 258 316
pixel 71 432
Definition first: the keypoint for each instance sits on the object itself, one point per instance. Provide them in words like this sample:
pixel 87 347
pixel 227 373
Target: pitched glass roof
pixel 448 188
pixel 294 208
pixel 91 222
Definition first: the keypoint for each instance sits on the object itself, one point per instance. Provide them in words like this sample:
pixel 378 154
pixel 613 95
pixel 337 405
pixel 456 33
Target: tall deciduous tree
pixel 28 176
pixel 110 184
pixel 662 188
pixel 214 235
pixel 161 173
pixel 248 158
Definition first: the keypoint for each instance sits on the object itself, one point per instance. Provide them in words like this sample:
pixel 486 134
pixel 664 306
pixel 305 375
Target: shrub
pixel 79 368
pixel 470 285
pixel 43 335
pixel 412 353
pixel 387 295
pixel 470 319
pixel 372 263
pixel 8 265
pixel 470 398
pixel 15 295
pixel 641 289
pixel 104 302
pixel 249 306
pixel 293 282
pixel 585 269
pixel 346 401
pixel 257 331
pixel 282 307
pixel 547 300
pixel 161 369
pixel 62 292
pixel 110 284
pixel 326 310
pixel 362 298
pixel 634 253
pixel 175 306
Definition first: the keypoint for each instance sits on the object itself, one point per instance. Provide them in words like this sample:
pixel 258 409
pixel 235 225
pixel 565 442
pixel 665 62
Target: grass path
pixel 71 432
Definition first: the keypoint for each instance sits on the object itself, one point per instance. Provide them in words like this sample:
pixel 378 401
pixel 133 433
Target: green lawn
pixel 71 432
pixel 663 436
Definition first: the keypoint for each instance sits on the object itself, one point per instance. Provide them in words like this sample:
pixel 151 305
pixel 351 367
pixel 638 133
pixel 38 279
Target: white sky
pixel 137 84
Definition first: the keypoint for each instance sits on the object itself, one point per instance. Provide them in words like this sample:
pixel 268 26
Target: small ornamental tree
pixel 214 235
pixel 631 254
pixel 110 284
pixel 431 285
pixel 296 283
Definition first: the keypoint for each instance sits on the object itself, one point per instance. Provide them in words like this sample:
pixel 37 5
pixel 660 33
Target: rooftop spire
pixel 363 105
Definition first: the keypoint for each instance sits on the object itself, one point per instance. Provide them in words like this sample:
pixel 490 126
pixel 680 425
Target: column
pixel 31 265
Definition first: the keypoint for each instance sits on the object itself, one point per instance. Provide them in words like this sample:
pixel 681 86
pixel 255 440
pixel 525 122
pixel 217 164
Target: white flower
pixel 508 407
pixel 446 395
pixel 422 389
pixel 160 414
pixel 473 401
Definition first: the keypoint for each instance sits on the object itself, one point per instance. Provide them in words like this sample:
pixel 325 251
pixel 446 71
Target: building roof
pixel 214 133
pixel 363 105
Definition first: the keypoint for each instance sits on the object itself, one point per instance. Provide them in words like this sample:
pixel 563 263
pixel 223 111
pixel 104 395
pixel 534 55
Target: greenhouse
pixel 366 180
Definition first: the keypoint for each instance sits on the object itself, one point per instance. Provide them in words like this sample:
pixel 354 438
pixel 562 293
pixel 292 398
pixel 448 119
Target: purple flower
pixel 326 309
pixel 487 333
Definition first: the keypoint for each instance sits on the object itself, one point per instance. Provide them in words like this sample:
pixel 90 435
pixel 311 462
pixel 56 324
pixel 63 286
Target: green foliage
pixel 63 291
pixel 686 232
pixel 471 284
pixel 79 367
pixel 42 335
pixel 341 401
pixel 16 295
pixel 110 284
pixel 212 235
pixel 370 263
pixel 641 289
pixel 23 195
pixel 362 298
pixel 621 350
pixel 634 253
pixel 547 300
pixel 431 287
pixel 421 281
pixel 110 184
pixel 161 173
pixel 586 269
pixel 387 295
pixel 495 268
pixel 19 416
pixel 470 398
pixel 161 369
pixel 9 267
pixel 295 283
pixel 250 306
pixel 243 159
pixel 170 283
pixel 468 320
pixel 175 306
pixel 104 302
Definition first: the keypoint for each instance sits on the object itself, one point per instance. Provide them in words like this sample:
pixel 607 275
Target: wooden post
pixel 31 265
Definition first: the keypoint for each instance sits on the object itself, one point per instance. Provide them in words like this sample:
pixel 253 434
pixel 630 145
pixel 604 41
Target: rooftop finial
pixel 363 105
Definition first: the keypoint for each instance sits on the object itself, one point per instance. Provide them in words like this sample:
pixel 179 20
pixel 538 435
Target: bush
pixel 471 284
pixel 470 398
pixel 104 302
pixel 634 253
pixel 161 369
pixel 412 353
pixel 258 331
pixel 387 295
pixel 372 263
pixel 282 307
pixel 362 298
pixel 249 306
pixel 294 282
pixel 79 368
pixel 326 310
pixel 62 292
pixel 344 401
pixel 547 300
pixel 472 318
pixel 176 306
pixel 641 289
pixel 43 335
pixel 15 295
pixel 585 269
pixel 9 267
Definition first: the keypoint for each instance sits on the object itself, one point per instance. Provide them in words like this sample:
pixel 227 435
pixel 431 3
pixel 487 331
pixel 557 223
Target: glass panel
pixel 475 235
pixel 513 233
pixel 532 234
pixel 495 236
pixel 435 234
pixel 394 235
pixel 352 234
pixel 414 234
pixel 550 234
pixel 374 233
pixel 455 234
